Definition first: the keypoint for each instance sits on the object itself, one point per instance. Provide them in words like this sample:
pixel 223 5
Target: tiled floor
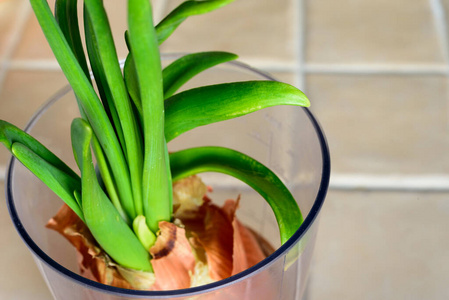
pixel 382 245
pixel 377 76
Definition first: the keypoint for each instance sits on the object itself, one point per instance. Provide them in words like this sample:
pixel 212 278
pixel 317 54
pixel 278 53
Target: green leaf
pixel 106 177
pixel 10 134
pixel 189 8
pixel 43 163
pixel 132 84
pixel 145 51
pixel 144 234
pixel 100 78
pixel 103 220
pixel 85 93
pixel 108 62
pixel 66 14
pixel 176 74
pixel 61 183
pixel 186 67
pixel 210 104
pixel 77 195
pixel 105 95
pixel 223 160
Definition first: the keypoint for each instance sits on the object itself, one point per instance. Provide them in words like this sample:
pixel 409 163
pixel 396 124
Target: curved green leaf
pixel 132 83
pixel 189 8
pixel 10 134
pixel 108 228
pixel 108 181
pixel 176 74
pixel 100 78
pixel 223 160
pixel 85 93
pixel 110 68
pixel 210 104
pixel 66 14
pixel 43 163
pixel 145 51
pixel 186 67
pixel 57 180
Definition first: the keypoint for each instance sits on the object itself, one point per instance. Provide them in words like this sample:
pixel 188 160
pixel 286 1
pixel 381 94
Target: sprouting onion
pixel 128 119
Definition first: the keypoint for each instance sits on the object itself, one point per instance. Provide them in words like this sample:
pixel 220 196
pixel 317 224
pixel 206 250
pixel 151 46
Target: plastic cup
pixel 286 139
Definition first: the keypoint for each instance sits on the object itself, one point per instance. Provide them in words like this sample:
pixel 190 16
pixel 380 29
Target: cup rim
pixel 308 221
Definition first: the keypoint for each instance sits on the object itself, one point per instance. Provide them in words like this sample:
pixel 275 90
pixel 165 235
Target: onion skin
pixel 205 243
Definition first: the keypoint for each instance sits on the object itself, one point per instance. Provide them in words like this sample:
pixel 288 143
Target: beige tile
pixel 9 12
pixel 33 44
pixel 353 31
pixel 116 10
pixel 253 38
pixel 374 245
pixel 383 124
pixel 22 94
pixel 253 29
pixel 20 278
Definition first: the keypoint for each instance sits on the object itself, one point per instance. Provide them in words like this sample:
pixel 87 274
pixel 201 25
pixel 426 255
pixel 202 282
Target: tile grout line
pixel 300 74
pixel 392 182
pixel 337 69
pixel 300 26
pixel 377 69
pixel 366 182
pixel 35 64
pixel 17 33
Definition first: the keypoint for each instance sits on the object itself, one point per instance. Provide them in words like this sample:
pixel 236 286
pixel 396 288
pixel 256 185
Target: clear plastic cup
pixel 286 139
